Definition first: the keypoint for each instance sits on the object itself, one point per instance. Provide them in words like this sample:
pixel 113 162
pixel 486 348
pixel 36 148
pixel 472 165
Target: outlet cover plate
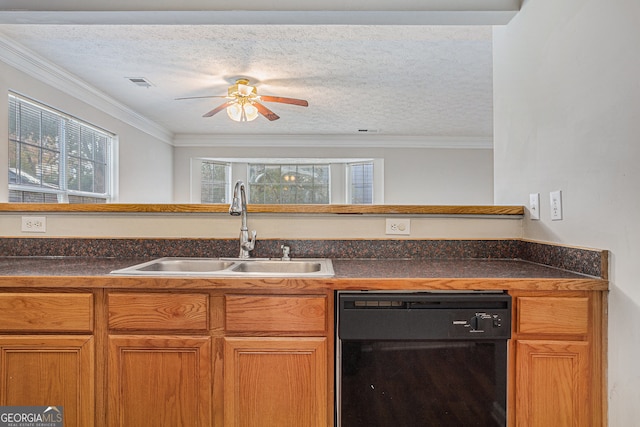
pixel 398 226
pixel 34 224
pixel 555 197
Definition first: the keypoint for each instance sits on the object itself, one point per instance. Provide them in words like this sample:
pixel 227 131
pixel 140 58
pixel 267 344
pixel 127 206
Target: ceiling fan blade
pixel 266 112
pixel 200 97
pixel 217 109
pixel 300 102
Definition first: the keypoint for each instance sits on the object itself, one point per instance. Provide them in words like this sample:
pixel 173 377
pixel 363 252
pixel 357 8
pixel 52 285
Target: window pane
pixel 13 162
pixel 86 176
pixel 214 182
pixel 13 120
pixel 271 174
pixel 86 143
pixel 288 184
pixel 73 173
pixel 29 125
pixel 72 134
pixel 50 131
pixel 50 168
pixel 29 165
pixel 254 172
pixel 361 183
pixel 101 148
pixel 100 185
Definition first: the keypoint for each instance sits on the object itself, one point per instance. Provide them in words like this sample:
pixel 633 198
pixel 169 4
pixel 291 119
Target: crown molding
pixel 262 17
pixel 333 141
pixel 39 68
pixel 248 12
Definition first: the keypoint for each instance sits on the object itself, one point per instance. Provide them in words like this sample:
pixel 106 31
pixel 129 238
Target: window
pixel 289 183
pixel 282 180
pixel 214 184
pixel 361 183
pixel 54 157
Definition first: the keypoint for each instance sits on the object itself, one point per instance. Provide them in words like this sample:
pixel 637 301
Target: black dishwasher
pixel 432 358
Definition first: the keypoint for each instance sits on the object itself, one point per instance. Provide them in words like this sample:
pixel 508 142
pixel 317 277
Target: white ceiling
pixel 392 79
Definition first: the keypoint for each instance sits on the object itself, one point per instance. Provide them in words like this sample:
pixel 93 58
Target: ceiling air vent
pixel 140 81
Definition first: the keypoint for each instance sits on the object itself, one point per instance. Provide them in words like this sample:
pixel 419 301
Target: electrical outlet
pixel 556 205
pixel 398 226
pixel 534 205
pixel 34 224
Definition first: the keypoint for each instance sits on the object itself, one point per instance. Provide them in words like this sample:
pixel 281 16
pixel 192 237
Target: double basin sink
pixel 231 267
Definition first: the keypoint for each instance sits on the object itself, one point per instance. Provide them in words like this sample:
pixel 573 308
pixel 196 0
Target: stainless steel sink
pixel 279 267
pixel 230 267
pixel 185 264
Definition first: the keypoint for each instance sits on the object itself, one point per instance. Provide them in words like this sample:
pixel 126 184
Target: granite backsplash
pixel 591 262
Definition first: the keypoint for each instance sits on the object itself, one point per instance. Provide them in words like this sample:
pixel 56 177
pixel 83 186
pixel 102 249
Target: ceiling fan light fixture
pixel 245 90
pixel 244 104
pixel 242 88
pixel 242 112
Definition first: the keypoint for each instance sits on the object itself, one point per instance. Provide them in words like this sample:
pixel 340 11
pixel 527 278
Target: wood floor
pixel 442 387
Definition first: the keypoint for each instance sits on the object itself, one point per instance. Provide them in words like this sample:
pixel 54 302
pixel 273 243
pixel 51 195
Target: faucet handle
pixel 251 243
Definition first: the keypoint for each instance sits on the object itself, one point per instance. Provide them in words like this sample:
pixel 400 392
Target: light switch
pixel 534 205
pixel 556 205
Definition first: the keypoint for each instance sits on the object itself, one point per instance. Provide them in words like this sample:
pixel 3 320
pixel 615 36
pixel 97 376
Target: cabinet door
pixel 552 384
pixel 275 382
pixel 49 371
pixel 159 381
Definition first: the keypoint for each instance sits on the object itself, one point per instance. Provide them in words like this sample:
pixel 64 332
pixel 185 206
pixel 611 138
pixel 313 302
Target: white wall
pixel 268 226
pixel 424 176
pixel 567 117
pixel 146 163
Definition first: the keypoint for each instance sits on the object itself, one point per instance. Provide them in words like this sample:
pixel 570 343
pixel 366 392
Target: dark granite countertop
pixel 29 271
pixel 63 266
pixel 449 268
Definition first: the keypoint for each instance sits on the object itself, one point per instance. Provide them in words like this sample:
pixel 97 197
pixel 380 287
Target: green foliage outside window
pixel 289 184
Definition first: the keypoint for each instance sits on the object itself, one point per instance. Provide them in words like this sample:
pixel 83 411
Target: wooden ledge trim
pixel 294 209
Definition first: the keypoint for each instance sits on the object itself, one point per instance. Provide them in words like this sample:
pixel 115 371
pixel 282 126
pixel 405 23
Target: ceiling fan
pixel 243 102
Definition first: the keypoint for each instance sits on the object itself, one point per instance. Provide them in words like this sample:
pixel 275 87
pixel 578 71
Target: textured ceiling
pixel 427 81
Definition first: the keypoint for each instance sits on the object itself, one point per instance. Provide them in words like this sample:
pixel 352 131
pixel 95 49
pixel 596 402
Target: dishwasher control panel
pixel 424 316
pixel 489 324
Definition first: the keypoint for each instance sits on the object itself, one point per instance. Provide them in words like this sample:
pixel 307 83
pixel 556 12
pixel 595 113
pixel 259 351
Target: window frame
pixel 67 124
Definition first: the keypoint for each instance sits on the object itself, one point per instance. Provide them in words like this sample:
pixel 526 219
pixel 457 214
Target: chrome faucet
pixel 239 207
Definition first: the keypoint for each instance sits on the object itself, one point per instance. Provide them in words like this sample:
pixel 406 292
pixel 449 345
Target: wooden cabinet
pixel 241 358
pixel 159 381
pixel 159 371
pixel 210 359
pixel 558 362
pixel 47 353
pixel 275 382
pixel 280 379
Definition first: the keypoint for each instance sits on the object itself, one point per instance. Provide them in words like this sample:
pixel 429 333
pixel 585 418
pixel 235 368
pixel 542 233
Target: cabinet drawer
pixel 46 312
pixel 553 315
pixel 249 313
pixel 158 311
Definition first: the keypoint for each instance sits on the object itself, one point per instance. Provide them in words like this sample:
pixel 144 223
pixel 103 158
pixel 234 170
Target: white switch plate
pixel 398 226
pixel 34 224
pixel 555 198
pixel 534 205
